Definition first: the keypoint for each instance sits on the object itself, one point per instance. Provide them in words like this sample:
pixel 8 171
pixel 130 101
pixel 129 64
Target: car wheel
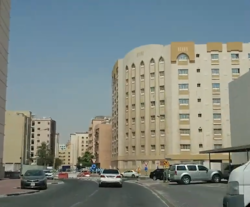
pixel 216 178
pixel 154 178
pixel 120 186
pixel 100 185
pixel 186 179
pixel 133 176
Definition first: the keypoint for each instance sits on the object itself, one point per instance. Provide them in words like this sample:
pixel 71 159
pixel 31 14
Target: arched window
pixel 126 68
pixel 182 57
pixel 142 64
pixel 161 60
pixel 152 61
pixel 133 66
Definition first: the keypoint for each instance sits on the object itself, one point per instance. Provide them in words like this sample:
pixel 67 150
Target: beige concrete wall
pixel 4 47
pixel 152 125
pixel 240 115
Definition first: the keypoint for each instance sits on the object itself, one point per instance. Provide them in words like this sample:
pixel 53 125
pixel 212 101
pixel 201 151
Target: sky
pixel 61 52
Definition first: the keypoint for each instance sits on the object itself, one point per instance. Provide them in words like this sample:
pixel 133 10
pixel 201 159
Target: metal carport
pixel 229 150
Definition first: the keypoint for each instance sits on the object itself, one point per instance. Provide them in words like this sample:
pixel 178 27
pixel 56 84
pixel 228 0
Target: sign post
pixel 146 168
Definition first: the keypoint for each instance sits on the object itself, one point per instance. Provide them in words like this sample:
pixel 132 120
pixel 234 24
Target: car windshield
pixel 34 173
pixel 111 172
pixel 47 171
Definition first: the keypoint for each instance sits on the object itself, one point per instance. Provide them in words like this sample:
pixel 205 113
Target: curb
pixel 58 183
pixel 19 193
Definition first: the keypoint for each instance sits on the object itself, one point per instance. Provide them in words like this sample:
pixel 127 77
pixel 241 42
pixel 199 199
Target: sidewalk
pixel 9 187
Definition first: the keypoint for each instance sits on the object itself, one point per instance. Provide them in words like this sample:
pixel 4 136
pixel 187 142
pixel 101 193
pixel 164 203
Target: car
pixel 49 174
pixel 110 177
pixel 130 174
pixel 228 169
pixel 185 173
pixel 157 174
pixel 34 179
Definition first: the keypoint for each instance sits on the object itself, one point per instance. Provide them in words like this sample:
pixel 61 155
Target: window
pixel 127 149
pixel 198 70
pixel 191 168
pixel 217 131
pixel 142 64
pixel 199 115
pixel 235 56
pixel 214 56
pixel 202 168
pixel 142 91
pixel 216 85
pixel 162 102
pixel 162 132
pixel 183 71
pixel 152 147
pixel 197 55
pixel 142 105
pixel 126 68
pixel 133 66
pixel 142 133
pixel 133 79
pixel 162 147
pixel 200 129
pixel 200 145
pixel 198 85
pixel 152 89
pixel 182 57
pixel 184 116
pixel 183 101
pixel 162 88
pixel 215 71
pixel 152 103
pixel 126 121
pixel 133 134
pixel 185 146
pixel 126 108
pixel 161 60
pixel 248 55
pixel 152 118
pixel 142 148
pixel 152 132
pixel 181 168
pixel 184 131
pixel 133 106
pixel 126 135
pixel 235 71
pixel 38 135
pixel 142 118
pixel 126 81
pixel 152 75
pixel 199 100
pixel 162 117
pixel 216 101
pixel 133 148
pixel 126 94
pixel 217 116
pixel 142 77
pixel 133 120
pixel 161 73
pixel 133 92
pixel 152 62
pixel 183 86
pixel 217 146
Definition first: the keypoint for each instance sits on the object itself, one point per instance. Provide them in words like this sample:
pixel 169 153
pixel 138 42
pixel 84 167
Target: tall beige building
pixel 4 47
pixel 64 153
pixel 42 130
pixel 17 139
pixel 79 145
pixel 173 101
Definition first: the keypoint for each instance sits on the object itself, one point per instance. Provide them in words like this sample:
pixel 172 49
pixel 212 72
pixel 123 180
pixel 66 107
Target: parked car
pixel 157 174
pixel 185 173
pixel 49 174
pixel 130 174
pixel 227 171
pixel 35 179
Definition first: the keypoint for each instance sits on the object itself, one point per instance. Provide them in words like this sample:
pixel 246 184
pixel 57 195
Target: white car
pixel 49 174
pixel 110 177
pixel 130 174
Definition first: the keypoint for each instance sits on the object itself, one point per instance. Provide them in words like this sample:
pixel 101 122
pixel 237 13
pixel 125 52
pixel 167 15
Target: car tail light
pixel 102 176
pixel 175 172
pixel 118 176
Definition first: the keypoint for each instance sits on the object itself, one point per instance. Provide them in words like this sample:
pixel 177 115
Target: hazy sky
pixel 62 51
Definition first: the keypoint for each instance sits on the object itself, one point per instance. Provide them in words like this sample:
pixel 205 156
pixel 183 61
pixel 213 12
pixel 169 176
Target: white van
pixel 238 187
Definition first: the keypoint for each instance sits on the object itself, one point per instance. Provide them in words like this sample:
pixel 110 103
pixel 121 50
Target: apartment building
pixel 103 137
pixel 4 47
pixel 239 99
pixel 17 139
pixel 64 153
pixel 173 101
pixel 94 122
pixel 57 140
pixel 42 130
pixel 79 145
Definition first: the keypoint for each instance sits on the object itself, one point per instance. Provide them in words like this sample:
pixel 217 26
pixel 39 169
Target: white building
pixel 239 98
pixel 171 101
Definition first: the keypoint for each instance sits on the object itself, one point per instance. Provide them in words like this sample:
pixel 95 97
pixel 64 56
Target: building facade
pixel 239 99
pixel 64 153
pixel 103 137
pixel 17 139
pixel 173 101
pixel 4 48
pixel 42 130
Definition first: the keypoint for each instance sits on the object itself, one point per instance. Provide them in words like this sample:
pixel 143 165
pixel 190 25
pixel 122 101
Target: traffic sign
pixel 93 166
pixel 93 160
pixel 146 168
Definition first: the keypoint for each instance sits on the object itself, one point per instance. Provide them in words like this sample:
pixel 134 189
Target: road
pixel 198 194
pixel 78 193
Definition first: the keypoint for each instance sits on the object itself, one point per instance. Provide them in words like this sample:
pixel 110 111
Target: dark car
pixel 228 170
pixel 157 174
pixel 35 179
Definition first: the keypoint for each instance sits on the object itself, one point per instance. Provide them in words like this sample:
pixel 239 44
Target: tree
pixel 44 156
pixel 58 163
pixel 85 160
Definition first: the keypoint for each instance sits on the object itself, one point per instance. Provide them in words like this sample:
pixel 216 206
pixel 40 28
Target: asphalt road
pixel 77 193
pixel 201 194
